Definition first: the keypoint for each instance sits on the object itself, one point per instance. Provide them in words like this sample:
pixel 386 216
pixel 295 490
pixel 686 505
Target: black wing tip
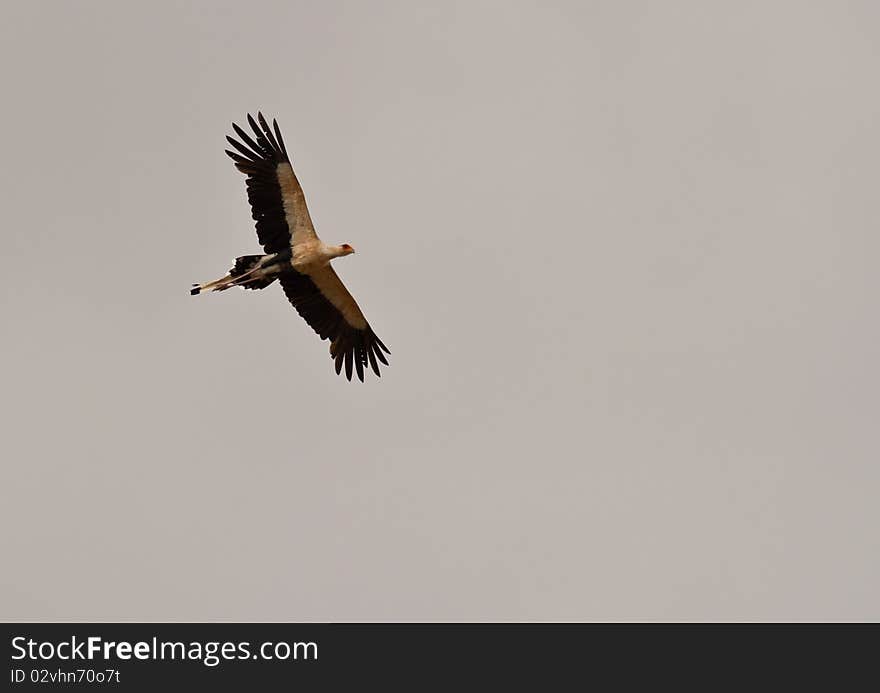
pixel 280 139
pixel 358 364
pixel 254 127
pixel 251 120
pixel 267 142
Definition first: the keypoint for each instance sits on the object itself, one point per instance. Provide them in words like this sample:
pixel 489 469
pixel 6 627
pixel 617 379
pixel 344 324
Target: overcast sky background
pixel 624 254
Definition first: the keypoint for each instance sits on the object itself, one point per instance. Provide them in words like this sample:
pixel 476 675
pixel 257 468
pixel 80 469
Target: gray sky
pixel 624 255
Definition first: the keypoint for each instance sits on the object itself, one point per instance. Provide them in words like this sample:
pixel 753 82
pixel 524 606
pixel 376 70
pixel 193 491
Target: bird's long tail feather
pixel 248 273
pixel 217 285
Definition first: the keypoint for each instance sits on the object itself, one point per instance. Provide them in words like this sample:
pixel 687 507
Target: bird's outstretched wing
pixel 278 204
pixel 326 305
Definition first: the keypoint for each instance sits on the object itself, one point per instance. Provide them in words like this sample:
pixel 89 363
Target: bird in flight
pixel 294 255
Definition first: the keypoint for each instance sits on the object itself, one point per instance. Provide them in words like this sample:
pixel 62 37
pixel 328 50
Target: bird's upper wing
pixel 277 201
pixel 322 300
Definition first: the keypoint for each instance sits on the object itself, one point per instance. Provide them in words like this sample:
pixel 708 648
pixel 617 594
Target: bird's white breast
pixel 308 255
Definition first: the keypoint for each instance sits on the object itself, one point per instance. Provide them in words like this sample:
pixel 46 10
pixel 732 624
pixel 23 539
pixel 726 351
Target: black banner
pixel 147 656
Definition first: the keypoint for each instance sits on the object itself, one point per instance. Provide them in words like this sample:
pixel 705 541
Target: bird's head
pixel 345 249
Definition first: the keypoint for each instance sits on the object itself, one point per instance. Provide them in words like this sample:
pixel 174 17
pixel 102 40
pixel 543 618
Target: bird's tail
pixel 248 272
